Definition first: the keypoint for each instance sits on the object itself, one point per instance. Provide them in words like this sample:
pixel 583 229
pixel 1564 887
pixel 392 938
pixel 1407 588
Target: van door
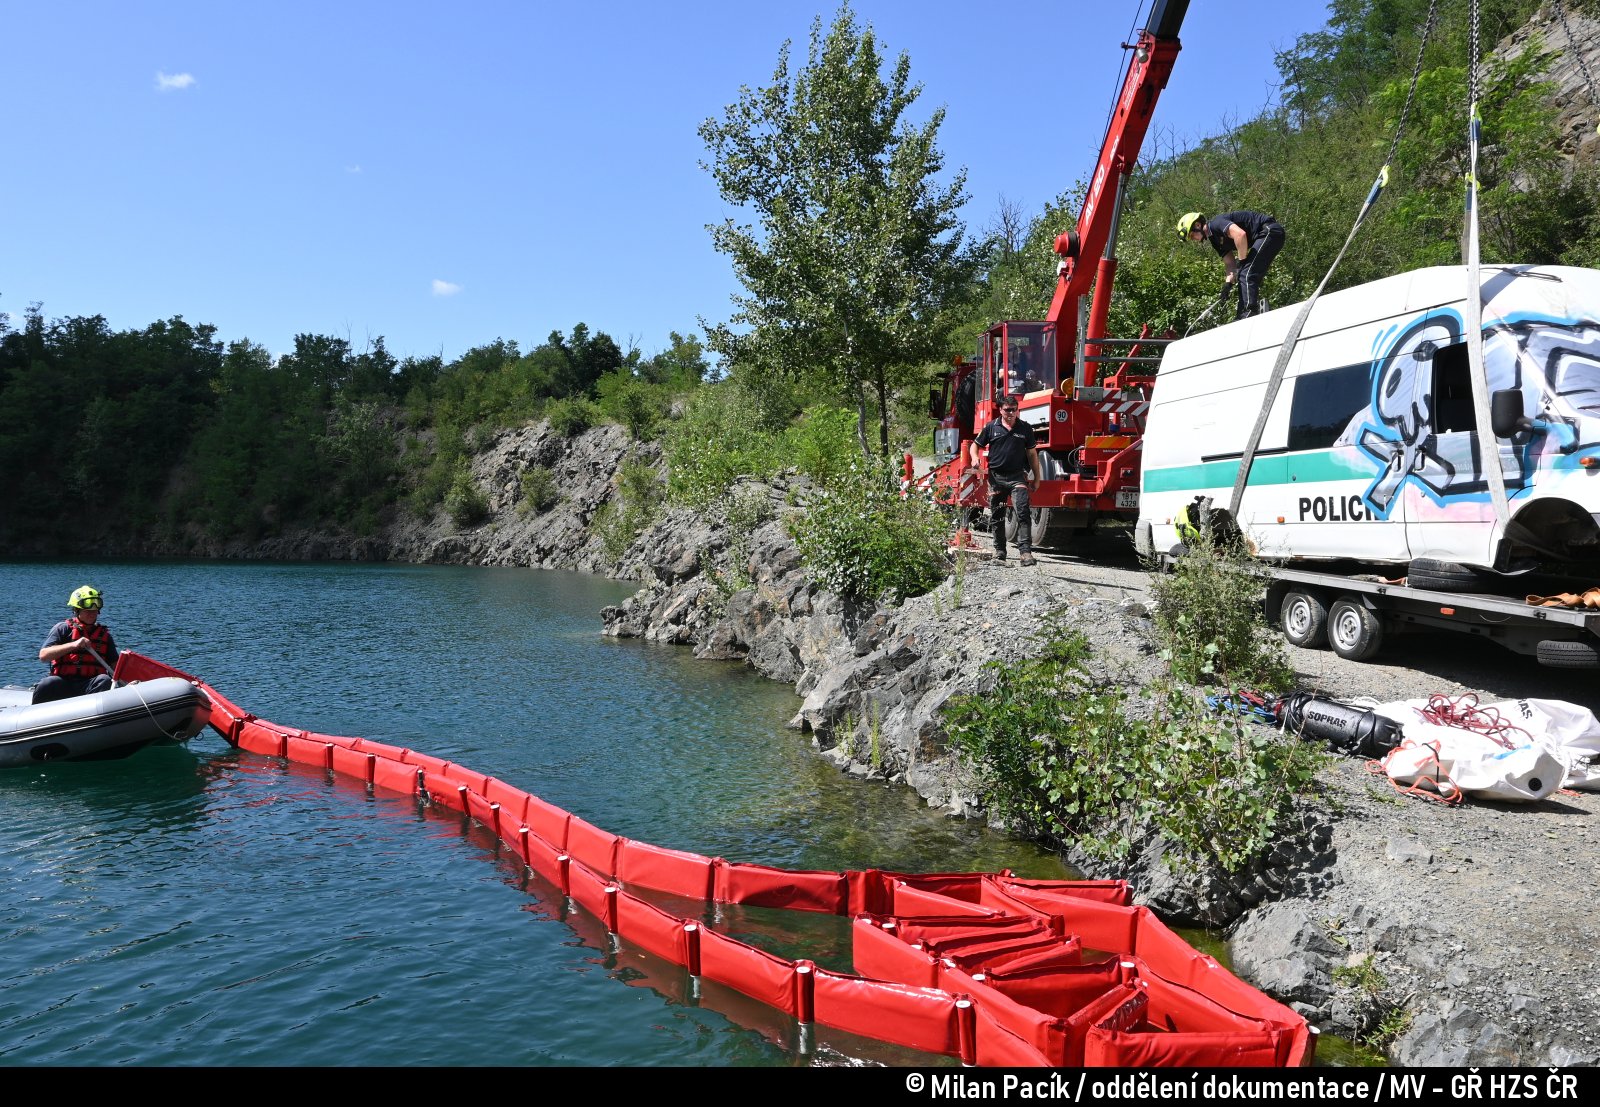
pixel 1450 514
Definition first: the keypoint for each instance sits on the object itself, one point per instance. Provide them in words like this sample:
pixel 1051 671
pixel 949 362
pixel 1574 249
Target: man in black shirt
pixel 1013 471
pixel 1247 242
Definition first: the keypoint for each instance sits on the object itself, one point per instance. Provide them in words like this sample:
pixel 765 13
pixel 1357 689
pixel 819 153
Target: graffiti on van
pixel 1420 428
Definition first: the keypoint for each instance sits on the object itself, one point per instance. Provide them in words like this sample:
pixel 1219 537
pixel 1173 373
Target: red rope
pixel 1463 713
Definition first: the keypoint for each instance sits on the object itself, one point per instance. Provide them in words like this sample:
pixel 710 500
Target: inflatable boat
pixel 101 726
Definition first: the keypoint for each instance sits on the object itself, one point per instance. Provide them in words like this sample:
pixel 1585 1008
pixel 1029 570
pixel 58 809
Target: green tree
pixel 856 260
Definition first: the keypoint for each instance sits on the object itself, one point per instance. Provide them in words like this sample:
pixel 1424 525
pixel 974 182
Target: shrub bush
pixel 539 490
pixel 634 403
pixel 639 499
pixel 1060 757
pixel 465 501
pixel 571 416
pixel 822 445
pixel 861 538
pixel 721 437
pixel 1209 619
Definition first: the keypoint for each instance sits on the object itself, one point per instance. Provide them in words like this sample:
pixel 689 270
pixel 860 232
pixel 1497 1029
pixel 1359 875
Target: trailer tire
pixel 1304 618
pixel 1354 633
pixel 1559 653
pixel 1443 576
pixel 1038 525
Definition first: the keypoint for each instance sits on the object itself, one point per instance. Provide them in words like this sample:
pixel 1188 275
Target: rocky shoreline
pixel 1453 935
pixel 1380 917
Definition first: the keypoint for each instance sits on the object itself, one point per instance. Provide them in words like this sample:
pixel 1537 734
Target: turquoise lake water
pixel 200 906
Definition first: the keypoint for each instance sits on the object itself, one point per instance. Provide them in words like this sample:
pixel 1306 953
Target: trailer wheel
pixel 1443 576
pixel 1305 620
pixel 1038 525
pixel 1562 654
pixel 1354 632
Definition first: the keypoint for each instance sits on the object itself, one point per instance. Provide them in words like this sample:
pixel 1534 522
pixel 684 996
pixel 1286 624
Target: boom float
pixel 987 967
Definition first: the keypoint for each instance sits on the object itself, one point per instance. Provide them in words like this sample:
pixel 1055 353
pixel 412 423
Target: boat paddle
pixel 110 672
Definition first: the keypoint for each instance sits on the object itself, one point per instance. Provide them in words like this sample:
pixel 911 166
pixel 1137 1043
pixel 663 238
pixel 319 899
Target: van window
pixel 1325 402
pixel 1452 390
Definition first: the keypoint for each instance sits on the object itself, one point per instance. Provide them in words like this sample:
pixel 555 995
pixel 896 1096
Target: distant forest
pixel 159 430
pixel 168 431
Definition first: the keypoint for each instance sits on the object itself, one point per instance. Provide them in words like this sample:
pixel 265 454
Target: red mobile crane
pixel 1088 424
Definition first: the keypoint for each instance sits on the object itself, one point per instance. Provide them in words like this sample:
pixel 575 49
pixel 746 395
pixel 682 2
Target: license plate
pixel 1127 497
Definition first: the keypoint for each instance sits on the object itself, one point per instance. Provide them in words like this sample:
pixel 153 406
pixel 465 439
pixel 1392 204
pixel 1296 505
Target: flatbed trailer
pixel 1355 613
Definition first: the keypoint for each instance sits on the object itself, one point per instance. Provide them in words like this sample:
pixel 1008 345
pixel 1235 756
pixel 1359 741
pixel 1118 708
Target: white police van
pixel 1371 451
pixel 1371 455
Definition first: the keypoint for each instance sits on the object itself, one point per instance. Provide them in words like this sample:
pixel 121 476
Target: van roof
pixel 1402 294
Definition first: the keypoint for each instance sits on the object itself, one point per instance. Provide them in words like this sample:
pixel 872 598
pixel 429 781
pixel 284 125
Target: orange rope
pixel 1420 786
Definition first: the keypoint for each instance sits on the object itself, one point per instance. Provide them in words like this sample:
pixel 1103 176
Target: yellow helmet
pixel 1188 222
pixel 86 597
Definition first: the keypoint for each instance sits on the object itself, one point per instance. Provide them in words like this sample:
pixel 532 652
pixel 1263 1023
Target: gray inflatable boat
pixel 98 727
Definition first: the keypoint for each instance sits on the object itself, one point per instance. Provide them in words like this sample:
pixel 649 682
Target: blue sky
pixel 445 175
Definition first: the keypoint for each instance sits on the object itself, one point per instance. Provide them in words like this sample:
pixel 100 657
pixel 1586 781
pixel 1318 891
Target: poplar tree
pixel 855 257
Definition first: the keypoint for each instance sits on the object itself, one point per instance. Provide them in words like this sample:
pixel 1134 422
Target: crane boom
pixel 1095 235
pixel 1088 431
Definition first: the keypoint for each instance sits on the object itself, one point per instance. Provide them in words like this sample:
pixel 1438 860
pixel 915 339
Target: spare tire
pixel 1444 576
pixel 1561 653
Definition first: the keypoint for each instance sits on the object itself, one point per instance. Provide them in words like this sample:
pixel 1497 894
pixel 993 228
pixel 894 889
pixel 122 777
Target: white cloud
pixel 169 82
pixel 445 288
pixel 352 169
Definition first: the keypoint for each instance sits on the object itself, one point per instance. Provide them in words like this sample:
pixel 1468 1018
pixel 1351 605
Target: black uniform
pixel 1265 235
pixel 1009 470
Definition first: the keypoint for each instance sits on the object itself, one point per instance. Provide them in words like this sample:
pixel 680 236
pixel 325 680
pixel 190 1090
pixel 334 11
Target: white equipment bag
pixel 1540 747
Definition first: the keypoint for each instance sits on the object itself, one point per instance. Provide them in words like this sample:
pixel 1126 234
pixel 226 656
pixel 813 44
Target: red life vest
pixel 81 663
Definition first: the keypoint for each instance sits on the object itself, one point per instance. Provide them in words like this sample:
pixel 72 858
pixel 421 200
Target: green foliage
pixel 465 501
pixel 741 513
pixel 861 538
pixel 361 447
pixel 640 496
pixel 857 258
pixel 571 417
pixel 1061 756
pixel 821 444
pixel 635 403
pixel 721 437
pixel 540 492
pixel 1209 620
pixel 680 367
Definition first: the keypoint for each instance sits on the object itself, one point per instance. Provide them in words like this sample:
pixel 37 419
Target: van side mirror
pixel 1505 413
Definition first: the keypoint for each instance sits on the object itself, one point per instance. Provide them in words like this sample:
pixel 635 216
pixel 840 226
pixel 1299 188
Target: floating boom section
pixel 986 967
pixel 1147 75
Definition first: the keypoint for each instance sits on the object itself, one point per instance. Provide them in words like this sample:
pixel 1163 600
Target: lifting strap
pixel 1488 445
pixel 1286 351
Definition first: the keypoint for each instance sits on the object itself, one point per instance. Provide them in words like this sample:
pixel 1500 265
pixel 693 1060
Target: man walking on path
pixel 1247 242
pixel 1013 467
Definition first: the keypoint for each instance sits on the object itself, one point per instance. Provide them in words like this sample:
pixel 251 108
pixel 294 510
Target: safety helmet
pixel 85 598
pixel 1188 222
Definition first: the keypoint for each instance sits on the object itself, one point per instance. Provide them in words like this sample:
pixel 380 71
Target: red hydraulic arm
pixel 1095 235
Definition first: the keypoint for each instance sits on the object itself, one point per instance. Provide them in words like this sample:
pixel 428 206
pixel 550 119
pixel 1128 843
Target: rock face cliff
pixel 1574 69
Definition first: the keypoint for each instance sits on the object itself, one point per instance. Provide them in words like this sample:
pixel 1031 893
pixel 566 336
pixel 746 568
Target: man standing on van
pixel 1013 471
pixel 1247 242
